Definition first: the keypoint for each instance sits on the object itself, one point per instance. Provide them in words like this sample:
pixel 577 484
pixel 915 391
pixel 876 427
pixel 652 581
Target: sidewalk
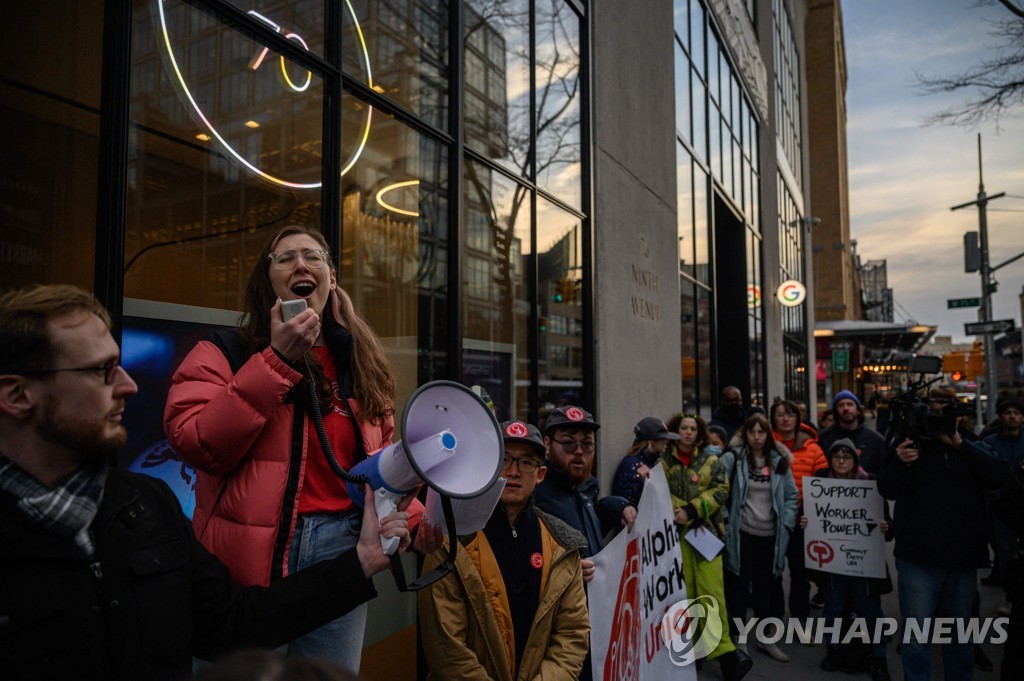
pixel 804 660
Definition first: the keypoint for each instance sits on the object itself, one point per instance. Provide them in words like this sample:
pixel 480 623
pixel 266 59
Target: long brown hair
pixel 373 379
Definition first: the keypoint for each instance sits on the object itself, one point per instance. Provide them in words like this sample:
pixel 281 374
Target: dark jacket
pixel 151 599
pixel 579 506
pixel 1010 448
pixel 940 510
pixel 627 483
pixel 870 445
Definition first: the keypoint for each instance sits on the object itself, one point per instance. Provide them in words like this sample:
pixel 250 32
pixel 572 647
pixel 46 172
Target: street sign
pixel 840 361
pixel 982 328
pixel 957 303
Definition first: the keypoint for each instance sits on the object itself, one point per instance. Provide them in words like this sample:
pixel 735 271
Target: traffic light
pixel 954 362
pixel 976 364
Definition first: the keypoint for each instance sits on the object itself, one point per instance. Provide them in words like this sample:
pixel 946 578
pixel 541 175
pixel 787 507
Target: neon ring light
pixel 291 84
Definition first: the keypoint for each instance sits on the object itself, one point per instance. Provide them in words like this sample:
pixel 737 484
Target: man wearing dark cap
pixel 651 438
pixel 849 423
pixel 569 491
pixel 483 622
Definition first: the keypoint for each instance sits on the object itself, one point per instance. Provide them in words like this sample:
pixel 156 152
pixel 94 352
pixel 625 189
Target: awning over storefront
pixel 876 335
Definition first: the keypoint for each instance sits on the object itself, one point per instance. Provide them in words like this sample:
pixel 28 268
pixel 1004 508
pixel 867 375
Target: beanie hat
pixel 844 395
pixel 844 443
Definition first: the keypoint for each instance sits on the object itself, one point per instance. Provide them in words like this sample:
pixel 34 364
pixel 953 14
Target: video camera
pixel 914 415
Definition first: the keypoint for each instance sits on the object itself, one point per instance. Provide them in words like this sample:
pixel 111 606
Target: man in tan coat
pixel 515 607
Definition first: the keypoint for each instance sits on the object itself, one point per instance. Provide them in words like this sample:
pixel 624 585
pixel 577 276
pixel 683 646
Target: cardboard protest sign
pixel 639 578
pixel 843 534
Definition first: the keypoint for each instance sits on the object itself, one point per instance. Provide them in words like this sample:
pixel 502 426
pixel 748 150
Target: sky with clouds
pixel 905 174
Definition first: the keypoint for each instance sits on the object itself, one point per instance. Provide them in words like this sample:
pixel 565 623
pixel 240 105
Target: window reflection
pixel 394 246
pixel 399 48
pixel 496 296
pixel 49 166
pixel 497 72
pixel 206 176
pixel 560 276
pixel 558 82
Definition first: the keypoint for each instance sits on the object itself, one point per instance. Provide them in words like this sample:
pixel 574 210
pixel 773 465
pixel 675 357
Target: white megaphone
pixel 450 442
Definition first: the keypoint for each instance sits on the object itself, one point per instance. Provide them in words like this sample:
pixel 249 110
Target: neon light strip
pixel 392 187
pixel 224 142
pixel 369 81
pixel 284 71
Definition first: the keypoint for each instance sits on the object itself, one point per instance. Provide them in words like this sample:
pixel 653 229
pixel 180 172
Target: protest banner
pixel 639 578
pixel 843 534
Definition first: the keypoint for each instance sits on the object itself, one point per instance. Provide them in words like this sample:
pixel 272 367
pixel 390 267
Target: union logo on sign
pixel 820 552
pixel 516 429
pixel 575 414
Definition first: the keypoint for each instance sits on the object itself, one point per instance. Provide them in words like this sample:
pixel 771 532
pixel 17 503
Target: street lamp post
pixel 986 296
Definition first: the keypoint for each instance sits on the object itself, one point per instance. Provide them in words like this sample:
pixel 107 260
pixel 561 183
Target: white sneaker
pixel 772 651
pixel 1004 609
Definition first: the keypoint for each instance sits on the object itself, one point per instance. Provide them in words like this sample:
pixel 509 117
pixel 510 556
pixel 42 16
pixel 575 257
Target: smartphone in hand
pixel 290 308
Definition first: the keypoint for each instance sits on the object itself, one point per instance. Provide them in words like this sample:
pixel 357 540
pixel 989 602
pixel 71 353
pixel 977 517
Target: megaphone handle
pixel 446 566
pixel 386 503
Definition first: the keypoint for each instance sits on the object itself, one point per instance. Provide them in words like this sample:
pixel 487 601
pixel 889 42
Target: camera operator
pixel 937 479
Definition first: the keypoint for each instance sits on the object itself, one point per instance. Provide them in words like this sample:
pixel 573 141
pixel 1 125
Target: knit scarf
pixel 67 510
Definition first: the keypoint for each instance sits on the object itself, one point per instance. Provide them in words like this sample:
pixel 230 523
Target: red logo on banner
pixel 575 414
pixel 820 552
pixel 537 561
pixel 623 660
pixel 516 429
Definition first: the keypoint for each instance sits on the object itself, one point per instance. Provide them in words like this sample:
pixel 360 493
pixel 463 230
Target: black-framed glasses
pixel 526 464
pixel 570 446
pixel 109 370
pixel 287 260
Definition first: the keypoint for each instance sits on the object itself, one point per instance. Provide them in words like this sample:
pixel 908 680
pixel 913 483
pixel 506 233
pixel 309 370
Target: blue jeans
pixel 320 537
pixel 843 587
pixel 929 592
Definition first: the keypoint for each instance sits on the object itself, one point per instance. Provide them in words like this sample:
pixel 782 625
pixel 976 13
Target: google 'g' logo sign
pixel 791 293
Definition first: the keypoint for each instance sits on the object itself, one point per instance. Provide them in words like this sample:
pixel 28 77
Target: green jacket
pixel 701 488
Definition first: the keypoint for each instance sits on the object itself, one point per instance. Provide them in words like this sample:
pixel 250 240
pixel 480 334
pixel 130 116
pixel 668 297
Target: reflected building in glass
pixel 552 201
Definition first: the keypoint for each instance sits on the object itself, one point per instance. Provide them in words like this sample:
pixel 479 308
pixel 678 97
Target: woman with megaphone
pixel 241 411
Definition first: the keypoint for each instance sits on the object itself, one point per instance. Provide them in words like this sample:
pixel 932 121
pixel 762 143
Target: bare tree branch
pixel 995 87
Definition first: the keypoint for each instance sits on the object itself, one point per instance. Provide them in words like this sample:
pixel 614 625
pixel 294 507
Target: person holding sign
pixel 761 514
pixel 699 487
pixel 865 593
pixel 652 438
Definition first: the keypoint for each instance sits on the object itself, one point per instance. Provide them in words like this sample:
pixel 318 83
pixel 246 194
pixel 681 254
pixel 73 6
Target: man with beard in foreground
pixel 101 576
pixel 569 491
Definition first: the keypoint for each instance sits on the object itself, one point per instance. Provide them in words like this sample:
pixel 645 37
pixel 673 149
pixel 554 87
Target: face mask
pixel 714 449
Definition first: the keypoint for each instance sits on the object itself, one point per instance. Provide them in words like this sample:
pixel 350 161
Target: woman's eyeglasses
pixel 287 260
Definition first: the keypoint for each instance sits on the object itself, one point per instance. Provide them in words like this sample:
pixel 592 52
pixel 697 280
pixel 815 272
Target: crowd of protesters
pixel 279 555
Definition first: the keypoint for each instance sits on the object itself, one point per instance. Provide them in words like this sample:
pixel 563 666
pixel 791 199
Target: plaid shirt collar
pixel 66 510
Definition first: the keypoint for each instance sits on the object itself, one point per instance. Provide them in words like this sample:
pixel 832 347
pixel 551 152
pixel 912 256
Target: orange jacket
pixel 808 457
pixel 248 442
